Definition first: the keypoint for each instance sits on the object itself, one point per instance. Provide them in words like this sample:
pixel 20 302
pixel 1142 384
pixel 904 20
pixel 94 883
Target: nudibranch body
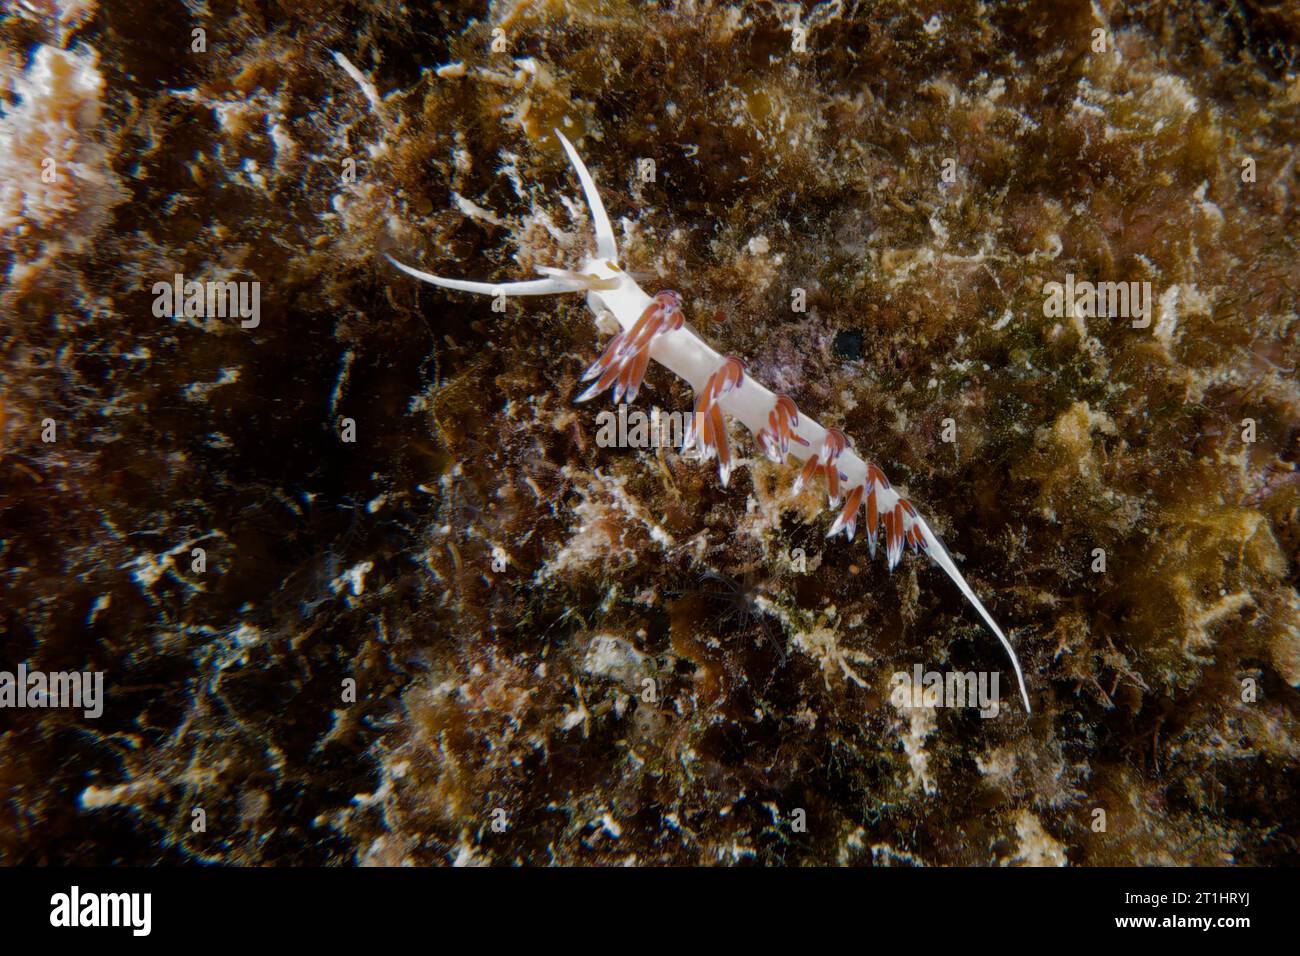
pixel 655 328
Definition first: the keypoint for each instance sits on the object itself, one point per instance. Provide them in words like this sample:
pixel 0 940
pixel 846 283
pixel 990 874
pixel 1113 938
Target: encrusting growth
pixel 655 328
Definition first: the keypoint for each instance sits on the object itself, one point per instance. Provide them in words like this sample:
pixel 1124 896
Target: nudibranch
pixel 654 327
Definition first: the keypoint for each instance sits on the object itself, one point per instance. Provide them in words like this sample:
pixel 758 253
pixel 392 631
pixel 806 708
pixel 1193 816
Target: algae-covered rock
pixel 367 586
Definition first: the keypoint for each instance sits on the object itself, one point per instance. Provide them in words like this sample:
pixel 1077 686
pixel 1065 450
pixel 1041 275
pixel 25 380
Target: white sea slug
pixel 654 328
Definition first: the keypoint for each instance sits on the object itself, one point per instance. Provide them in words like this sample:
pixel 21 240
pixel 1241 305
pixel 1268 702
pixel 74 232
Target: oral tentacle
pixel 549 286
pixel 588 281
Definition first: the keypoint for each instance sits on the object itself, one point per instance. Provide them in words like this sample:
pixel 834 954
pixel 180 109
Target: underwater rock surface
pixel 432 619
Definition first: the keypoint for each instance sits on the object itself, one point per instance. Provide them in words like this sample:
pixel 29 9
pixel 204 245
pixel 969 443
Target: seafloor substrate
pixel 498 586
